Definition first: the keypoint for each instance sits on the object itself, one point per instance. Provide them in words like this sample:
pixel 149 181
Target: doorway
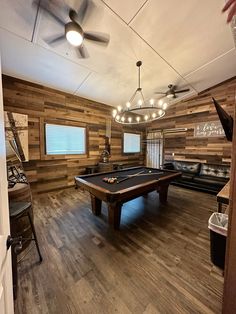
pixel 154 152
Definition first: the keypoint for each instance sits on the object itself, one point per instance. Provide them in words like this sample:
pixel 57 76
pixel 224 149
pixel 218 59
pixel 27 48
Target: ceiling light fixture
pixel 74 34
pixel 136 110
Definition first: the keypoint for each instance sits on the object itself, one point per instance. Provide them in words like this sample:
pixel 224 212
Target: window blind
pixel 64 140
pixel 132 143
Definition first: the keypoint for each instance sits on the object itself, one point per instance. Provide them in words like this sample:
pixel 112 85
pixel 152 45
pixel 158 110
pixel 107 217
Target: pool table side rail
pixel 127 193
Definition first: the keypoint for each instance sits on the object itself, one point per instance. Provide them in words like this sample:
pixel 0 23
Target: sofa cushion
pixel 219 171
pixel 185 177
pixel 210 180
pixel 185 166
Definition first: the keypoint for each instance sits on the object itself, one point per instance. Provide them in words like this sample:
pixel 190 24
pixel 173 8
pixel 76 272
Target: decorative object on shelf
pixel 105 156
pixel 137 110
pixel 107 144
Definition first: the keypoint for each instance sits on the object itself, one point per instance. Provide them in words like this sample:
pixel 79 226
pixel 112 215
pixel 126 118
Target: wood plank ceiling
pixel 188 44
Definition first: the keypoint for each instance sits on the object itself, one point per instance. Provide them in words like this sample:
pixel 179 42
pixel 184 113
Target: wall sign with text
pixel 208 129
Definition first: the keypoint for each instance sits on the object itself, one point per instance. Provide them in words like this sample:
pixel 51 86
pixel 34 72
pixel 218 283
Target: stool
pixel 18 210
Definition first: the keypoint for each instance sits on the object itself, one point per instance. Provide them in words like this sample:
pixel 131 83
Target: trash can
pixel 218 225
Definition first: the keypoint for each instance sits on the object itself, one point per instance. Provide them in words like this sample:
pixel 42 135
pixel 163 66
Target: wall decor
pixel 208 129
pixel 16 128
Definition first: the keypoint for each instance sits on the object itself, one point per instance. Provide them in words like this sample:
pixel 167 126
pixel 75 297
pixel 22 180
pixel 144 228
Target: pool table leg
pixel 96 205
pixel 163 191
pixel 114 214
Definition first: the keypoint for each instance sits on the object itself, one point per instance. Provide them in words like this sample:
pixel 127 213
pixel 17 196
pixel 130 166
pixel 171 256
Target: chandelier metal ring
pixel 139 112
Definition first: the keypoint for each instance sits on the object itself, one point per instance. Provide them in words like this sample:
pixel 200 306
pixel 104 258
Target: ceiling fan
pixel 172 91
pixel 74 32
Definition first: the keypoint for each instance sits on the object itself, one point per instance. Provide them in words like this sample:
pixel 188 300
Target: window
pixel 64 140
pixel 132 143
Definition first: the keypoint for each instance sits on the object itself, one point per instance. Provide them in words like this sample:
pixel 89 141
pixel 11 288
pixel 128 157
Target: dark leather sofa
pixel 209 178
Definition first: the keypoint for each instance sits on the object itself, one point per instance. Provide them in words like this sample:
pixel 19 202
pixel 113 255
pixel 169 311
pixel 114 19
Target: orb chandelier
pixel 137 110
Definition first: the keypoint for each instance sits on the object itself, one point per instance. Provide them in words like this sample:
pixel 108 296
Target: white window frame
pixel 64 152
pixel 124 146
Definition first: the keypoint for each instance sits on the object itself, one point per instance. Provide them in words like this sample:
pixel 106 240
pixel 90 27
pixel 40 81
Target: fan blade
pixel 82 11
pixel 182 91
pixel 54 39
pixel 82 52
pixel 45 7
pixel 159 93
pixel 98 37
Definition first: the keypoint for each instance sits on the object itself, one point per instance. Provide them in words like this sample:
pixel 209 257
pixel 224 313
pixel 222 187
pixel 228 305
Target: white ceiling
pixel 188 44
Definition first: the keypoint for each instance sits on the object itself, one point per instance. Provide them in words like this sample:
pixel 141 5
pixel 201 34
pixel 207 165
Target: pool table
pixel 129 184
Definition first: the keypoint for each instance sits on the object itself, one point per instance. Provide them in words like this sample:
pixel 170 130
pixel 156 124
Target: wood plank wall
pixel 184 146
pixel 43 104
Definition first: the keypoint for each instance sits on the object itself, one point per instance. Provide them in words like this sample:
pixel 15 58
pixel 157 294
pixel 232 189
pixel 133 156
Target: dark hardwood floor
pixel 158 262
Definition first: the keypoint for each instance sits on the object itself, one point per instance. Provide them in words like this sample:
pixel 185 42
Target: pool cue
pixel 149 174
pixel 131 176
pixel 141 174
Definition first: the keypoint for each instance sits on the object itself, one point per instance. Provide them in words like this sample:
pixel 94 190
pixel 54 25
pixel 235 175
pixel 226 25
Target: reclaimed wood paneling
pixel 43 104
pixel 186 114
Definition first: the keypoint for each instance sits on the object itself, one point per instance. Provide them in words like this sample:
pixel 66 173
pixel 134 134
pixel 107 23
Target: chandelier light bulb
pixel 123 119
pixel 160 102
pixel 146 117
pixel 130 119
pixel 128 104
pixel 114 112
pixel 152 102
pixel 118 118
pixel 119 108
pixel 164 106
pixel 160 112
pixel 154 115
pixel 140 102
pixel 138 119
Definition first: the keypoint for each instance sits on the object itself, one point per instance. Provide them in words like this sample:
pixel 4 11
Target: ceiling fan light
pixel 74 34
pixel 74 38
pixel 170 96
